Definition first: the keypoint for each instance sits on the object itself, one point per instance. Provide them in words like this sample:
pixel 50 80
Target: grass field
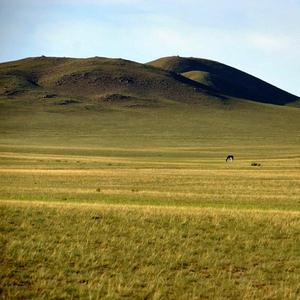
pixel 102 251
pixel 140 204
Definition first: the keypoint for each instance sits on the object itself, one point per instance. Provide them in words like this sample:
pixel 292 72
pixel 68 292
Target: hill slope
pixel 225 80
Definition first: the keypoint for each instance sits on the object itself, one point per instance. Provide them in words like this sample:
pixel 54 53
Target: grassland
pixel 138 203
pixel 149 178
pixel 73 251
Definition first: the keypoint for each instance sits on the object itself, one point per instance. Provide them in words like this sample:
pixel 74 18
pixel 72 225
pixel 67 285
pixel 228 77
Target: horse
pixel 230 158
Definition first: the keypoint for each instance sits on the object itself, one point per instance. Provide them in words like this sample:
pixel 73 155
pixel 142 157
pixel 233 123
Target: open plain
pixel 127 199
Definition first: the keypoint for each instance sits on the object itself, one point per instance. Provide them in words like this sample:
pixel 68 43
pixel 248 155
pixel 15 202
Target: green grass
pixel 138 203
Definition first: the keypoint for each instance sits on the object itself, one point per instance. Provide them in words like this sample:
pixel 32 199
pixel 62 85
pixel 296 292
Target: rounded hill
pixel 224 79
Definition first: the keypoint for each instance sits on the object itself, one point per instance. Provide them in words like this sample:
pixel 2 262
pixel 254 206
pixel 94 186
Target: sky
pixel 260 37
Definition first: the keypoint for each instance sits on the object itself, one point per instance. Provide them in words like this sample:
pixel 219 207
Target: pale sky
pixel 261 37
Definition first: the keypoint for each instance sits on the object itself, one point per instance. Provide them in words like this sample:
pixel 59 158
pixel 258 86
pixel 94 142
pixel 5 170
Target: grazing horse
pixel 230 158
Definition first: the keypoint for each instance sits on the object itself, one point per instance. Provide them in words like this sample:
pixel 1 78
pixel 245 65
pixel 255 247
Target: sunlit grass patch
pixel 210 184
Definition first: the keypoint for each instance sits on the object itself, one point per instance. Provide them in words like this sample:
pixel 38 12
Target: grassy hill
pixel 224 79
pixel 100 80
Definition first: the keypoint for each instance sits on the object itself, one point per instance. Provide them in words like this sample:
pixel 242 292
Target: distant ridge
pixel 100 79
pixel 224 79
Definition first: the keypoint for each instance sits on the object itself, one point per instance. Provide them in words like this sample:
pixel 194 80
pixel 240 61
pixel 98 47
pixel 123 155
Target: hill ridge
pixel 174 78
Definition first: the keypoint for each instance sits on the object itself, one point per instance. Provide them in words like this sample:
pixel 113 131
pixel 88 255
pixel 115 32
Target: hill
pixel 120 103
pixel 100 80
pixel 97 79
pixel 225 80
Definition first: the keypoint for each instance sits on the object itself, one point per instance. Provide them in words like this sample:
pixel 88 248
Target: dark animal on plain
pixel 230 158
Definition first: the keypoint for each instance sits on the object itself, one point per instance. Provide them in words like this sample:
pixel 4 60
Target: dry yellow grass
pixel 55 250
pixel 157 180
pixel 94 227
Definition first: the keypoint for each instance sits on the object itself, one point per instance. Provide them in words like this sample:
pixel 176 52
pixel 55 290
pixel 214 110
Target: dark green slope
pixel 225 80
